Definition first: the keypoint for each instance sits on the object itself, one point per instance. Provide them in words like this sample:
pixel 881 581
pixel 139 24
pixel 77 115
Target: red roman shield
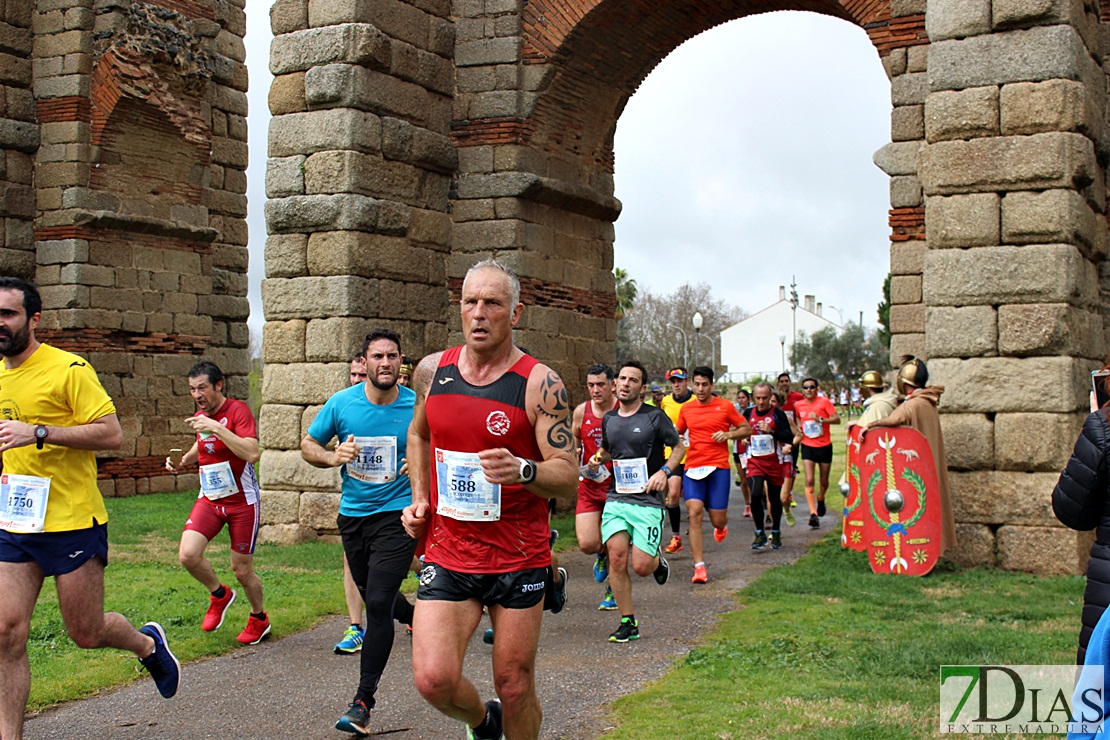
pixel 852 533
pixel 899 502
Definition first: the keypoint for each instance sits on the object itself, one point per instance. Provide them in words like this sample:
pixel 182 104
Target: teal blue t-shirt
pixel 370 482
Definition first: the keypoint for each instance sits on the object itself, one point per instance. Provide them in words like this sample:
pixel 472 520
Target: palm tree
pixel 626 292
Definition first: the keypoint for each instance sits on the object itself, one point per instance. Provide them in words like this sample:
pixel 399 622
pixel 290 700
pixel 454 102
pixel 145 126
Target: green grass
pixel 824 648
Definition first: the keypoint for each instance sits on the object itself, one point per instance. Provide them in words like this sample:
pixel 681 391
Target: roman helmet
pixel 912 372
pixel 871 379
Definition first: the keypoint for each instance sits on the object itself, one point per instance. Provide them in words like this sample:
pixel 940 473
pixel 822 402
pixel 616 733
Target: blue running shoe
pixel 608 604
pixel 351 642
pixel 487 636
pixel 162 663
pixel 601 567
pixel 356 721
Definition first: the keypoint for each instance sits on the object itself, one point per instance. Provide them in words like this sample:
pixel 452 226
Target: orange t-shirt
pixel 807 411
pixel 703 419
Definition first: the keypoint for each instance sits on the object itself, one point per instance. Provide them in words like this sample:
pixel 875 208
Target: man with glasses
pixel 814 415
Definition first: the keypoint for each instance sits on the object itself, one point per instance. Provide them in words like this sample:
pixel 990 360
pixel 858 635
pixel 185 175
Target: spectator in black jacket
pixel 1081 500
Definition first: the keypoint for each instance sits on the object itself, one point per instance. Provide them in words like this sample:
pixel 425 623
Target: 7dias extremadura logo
pixel 1021 698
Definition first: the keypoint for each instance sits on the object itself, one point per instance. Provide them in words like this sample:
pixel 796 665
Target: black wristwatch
pixel 40 436
pixel 527 471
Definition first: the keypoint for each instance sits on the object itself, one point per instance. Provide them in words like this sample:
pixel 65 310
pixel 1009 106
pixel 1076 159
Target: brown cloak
pixel 919 411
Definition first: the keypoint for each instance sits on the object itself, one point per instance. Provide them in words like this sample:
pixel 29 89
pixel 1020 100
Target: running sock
pixel 675 515
pixel 488 728
pixel 261 616
pixel 220 592
pixel 357 626
pixel 701 563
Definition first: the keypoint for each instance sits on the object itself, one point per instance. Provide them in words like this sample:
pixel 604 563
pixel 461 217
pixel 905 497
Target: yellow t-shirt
pixel 671 408
pixel 57 389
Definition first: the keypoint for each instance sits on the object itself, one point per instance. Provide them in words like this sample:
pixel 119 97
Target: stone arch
pixel 998 208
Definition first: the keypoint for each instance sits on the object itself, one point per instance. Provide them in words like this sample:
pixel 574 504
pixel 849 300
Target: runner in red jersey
pixel 593 488
pixel 490 442
pixel 789 398
pixel 813 415
pixel 770 433
pixel 226 449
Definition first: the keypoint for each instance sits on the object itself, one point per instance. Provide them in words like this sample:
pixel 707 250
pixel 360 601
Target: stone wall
pixel 1013 178
pixel 138 136
pixel 358 181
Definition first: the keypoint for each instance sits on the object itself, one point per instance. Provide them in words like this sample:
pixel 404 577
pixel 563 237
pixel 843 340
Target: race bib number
pixel 700 473
pixel 376 461
pixel 761 445
pixel 464 492
pixel 600 476
pixel 812 428
pixel 217 481
pixel 631 475
pixel 23 503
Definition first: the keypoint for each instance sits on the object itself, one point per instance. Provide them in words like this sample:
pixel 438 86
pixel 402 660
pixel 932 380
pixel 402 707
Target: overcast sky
pixel 744 159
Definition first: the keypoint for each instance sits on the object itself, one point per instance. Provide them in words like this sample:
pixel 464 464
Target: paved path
pixel 295 687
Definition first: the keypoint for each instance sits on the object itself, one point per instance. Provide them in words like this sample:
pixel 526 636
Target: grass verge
pixel 824 648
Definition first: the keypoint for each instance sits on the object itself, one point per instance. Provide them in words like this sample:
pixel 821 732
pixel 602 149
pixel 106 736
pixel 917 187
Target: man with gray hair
pixel 490 443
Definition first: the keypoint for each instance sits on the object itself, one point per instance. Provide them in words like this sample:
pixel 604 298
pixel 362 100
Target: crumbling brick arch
pixel 151 149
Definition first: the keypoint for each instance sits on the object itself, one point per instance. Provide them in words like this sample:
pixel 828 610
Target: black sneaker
pixel 629 630
pixel 760 541
pixel 821 507
pixel 493 712
pixel 162 663
pixel 661 573
pixel 776 540
pixel 357 719
pixel 814 522
pixel 555 598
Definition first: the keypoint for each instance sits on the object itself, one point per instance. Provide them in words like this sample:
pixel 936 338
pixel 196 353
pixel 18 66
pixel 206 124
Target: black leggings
pixel 760 484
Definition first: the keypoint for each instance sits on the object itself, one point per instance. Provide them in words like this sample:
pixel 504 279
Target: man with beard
pixel 372 421
pixel 226 449
pixel 489 444
pixel 633 437
pixel 54 416
pixel 594 486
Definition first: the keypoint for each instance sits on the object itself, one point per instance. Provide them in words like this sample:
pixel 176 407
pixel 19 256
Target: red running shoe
pixel 701 575
pixel 217 610
pixel 720 534
pixel 255 630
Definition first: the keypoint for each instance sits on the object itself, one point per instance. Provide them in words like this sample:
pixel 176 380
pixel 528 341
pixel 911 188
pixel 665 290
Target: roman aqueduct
pixel 412 137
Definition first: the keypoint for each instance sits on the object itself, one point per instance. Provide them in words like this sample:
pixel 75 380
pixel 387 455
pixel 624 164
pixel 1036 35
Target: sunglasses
pixel 809 387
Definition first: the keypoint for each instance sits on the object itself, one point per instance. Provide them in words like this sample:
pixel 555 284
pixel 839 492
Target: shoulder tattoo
pixel 554 405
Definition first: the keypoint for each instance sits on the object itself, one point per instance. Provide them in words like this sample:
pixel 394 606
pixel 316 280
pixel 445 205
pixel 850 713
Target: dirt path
pixel 295 687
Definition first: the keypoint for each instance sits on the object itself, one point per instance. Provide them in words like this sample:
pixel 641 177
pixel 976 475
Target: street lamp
pixel 675 326
pixel 697 321
pixel 838 314
pixel 782 346
pixel 714 355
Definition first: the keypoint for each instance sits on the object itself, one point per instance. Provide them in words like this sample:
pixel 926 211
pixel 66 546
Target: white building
pixel 761 343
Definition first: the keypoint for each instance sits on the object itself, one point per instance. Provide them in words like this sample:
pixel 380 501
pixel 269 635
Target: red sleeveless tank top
pixel 471 418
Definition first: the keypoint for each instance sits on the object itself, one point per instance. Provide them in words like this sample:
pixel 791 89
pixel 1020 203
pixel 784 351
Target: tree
pixel 626 292
pixel 842 356
pixel 884 315
pixel 651 337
